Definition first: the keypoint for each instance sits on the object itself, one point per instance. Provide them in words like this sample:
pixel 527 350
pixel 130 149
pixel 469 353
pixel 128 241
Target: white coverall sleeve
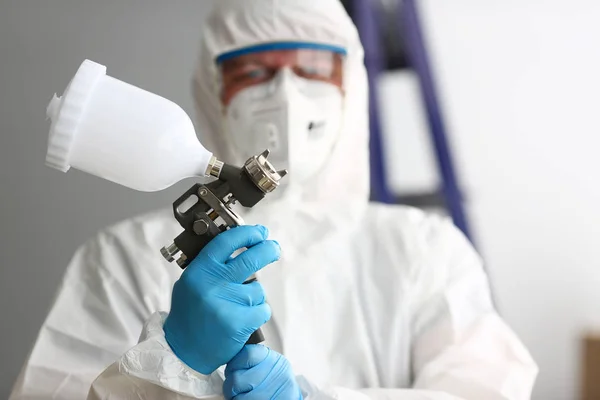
pixel 461 346
pixel 106 295
pixel 462 349
pixel 150 370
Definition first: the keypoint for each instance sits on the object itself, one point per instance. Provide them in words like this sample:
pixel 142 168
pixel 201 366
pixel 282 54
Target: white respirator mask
pixel 298 119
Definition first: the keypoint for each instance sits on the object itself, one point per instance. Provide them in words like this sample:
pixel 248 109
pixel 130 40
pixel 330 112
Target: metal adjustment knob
pixel 214 167
pixel 181 261
pixel 262 172
pixel 200 227
pixel 169 252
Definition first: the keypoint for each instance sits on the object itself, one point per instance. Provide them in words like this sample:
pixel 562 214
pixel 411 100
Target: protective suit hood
pixel 338 196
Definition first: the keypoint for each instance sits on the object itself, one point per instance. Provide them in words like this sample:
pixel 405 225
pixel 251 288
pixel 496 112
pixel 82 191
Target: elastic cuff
pixel 153 360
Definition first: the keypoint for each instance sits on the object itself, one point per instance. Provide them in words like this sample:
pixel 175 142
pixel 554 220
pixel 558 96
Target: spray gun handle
pixel 258 336
pixel 248 185
pixel 198 242
pixel 200 228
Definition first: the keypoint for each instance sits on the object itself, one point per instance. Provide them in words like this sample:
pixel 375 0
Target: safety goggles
pixel 252 66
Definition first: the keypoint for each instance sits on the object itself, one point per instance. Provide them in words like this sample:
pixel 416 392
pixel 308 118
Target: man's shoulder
pixel 153 220
pixel 151 229
pixel 413 236
pixel 404 221
pixel 129 252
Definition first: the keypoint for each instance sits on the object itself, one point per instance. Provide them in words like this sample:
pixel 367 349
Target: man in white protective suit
pixel 363 301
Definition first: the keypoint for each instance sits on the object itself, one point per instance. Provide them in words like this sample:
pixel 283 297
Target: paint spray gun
pixel 135 138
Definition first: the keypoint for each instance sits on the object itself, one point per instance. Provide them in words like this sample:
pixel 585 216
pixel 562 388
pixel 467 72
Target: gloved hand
pixel 259 373
pixel 212 313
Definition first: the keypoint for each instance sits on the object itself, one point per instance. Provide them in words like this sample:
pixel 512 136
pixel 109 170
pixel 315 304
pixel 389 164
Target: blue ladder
pixel 367 19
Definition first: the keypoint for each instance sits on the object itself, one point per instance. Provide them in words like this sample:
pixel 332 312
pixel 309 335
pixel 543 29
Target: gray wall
pixel 46 214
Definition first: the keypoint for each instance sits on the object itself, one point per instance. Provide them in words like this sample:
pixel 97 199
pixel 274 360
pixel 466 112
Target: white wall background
pixel 520 84
pixel 519 81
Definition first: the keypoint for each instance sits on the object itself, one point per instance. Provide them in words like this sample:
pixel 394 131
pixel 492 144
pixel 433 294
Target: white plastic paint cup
pixel 122 133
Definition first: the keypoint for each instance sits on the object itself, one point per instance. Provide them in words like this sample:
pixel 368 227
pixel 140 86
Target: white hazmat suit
pixel 369 301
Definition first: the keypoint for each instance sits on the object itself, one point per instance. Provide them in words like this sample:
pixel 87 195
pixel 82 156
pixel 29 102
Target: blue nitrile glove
pixel 212 313
pixel 259 373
